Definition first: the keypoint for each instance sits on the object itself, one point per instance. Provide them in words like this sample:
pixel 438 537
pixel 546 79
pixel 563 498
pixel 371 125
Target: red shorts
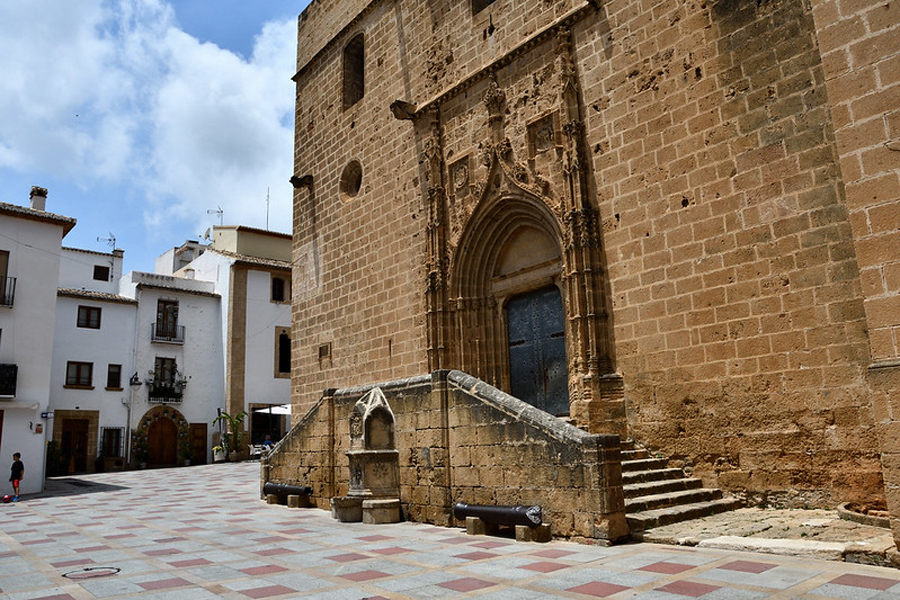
pixel 15 482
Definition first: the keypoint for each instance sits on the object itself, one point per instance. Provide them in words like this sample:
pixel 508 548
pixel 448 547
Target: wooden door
pixel 537 351
pixel 198 443
pixel 162 443
pixel 74 448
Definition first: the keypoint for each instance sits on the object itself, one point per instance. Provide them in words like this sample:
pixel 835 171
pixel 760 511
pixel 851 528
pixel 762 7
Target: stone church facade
pixel 676 221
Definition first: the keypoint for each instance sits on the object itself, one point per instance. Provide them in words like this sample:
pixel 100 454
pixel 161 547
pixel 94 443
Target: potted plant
pixel 220 454
pixel 231 439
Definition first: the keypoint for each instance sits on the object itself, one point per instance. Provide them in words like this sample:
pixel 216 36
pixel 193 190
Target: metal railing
pixel 170 334
pixel 165 394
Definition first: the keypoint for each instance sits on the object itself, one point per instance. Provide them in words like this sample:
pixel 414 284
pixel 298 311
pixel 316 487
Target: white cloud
pixel 113 91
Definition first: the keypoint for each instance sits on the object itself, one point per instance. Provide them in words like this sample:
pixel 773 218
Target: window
pixel 284 351
pixel 101 273
pixel 164 373
pixel 112 440
pixel 281 289
pixel 79 374
pixel 89 316
pixel 114 377
pixel 354 71
pixel 480 5
pixel 167 319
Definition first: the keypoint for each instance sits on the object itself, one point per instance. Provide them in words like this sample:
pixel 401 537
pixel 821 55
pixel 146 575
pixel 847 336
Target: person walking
pixel 16 473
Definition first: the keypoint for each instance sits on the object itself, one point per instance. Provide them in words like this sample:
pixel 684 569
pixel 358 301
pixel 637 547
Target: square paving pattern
pixel 203 532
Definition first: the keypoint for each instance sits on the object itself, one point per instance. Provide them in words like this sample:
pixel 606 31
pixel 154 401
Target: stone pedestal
pixel 298 501
pixel 381 511
pixel 475 526
pixel 541 533
pixel 347 509
pixel 271 498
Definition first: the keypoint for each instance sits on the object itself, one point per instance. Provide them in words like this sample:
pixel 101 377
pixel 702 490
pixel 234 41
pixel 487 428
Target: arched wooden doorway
pixel 162 442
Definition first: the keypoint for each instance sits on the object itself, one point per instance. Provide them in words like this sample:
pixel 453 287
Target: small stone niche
pixel 374 495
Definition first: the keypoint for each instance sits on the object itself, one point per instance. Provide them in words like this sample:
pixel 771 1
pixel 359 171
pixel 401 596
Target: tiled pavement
pixel 202 532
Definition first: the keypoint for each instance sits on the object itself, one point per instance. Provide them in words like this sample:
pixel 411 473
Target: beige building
pixel 672 221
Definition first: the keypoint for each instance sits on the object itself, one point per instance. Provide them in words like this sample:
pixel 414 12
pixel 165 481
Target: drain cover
pixel 91 572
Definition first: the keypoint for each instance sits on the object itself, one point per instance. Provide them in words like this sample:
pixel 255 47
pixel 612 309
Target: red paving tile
pixel 265 592
pixel 119 536
pixel 273 552
pixel 454 540
pixel 667 568
pixel 56 597
pixel 33 542
pixel 490 544
pixel 72 563
pixel 163 552
pixel 191 562
pixel 688 588
pixel 164 583
pixel 264 570
pixel 365 575
pixel 349 557
pixel 375 538
pixel 297 531
pixel 748 566
pixel 544 567
pixel 552 553
pixel 599 589
pixel 476 555
pixel 865 581
pixel 466 584
pixel 391 551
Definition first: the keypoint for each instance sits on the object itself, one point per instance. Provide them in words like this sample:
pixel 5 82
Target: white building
pixel 30 246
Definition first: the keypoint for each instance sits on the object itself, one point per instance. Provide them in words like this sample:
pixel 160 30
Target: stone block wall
pixel 460 440
pixel 739 156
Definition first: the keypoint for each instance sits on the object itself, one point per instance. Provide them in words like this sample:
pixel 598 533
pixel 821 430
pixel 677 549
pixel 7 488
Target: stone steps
pixel 656 494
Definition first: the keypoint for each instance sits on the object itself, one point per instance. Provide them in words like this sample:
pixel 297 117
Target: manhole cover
pixel 91 572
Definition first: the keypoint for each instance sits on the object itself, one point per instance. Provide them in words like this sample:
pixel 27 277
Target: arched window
pixel 354 71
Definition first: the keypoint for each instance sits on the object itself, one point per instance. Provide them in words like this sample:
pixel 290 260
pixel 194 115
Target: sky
pixel 145 118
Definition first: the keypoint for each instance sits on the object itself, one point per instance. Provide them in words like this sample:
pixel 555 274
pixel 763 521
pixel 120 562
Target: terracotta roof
pixel 175 288
pixel 254 260
pixel 67 223
pixel 91 295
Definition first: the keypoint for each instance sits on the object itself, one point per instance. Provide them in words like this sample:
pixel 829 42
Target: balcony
pixel 7 291
pixel 165 394
pixel 166 333
pixel 8 376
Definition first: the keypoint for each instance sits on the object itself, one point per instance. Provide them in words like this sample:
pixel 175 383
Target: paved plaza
pixel 202 532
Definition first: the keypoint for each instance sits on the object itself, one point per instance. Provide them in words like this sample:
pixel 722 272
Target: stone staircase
pixel 656 494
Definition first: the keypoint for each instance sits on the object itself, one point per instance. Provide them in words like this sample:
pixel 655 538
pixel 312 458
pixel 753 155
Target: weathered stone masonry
pixel 712 187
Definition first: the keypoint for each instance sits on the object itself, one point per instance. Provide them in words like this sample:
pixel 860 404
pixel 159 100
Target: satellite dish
pixel 206 235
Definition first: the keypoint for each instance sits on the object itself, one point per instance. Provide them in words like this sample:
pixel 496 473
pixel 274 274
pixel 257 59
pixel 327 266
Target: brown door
pixel 162 443
pixel 198 443
pixel 74 445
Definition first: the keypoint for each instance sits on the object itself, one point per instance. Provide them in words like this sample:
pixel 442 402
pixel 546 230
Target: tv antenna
pixel 267 208
pixel 110 241
pixel 217 211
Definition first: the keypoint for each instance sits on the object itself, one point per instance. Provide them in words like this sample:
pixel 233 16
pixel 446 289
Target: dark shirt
pixel 17 469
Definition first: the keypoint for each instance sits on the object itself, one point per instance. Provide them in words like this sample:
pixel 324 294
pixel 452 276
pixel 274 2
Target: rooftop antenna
pixel 110 241
pixel 267 208
pixel 217 211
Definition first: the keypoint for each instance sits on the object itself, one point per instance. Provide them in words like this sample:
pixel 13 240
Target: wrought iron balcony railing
pixel 170 334
pixel 165 394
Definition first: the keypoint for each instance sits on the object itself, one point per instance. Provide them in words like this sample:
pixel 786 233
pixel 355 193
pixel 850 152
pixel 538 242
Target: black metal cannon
pixel 499 515
pixel 286 489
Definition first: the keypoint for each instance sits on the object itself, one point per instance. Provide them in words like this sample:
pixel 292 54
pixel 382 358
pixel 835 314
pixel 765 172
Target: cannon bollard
pixel 294 496
pixel 529 516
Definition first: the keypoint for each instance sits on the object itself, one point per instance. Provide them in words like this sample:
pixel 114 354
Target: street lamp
pixel 134 383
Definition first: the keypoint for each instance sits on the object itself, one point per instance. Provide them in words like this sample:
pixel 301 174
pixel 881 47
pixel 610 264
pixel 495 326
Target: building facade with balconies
pixel 30 246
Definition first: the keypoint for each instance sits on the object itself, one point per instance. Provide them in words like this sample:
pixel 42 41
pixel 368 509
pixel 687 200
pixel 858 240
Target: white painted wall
pixel 76 270
pixel 263 318
pixel 26 339
pixel 113 343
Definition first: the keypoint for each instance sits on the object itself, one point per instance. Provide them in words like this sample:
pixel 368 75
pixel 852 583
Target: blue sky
pixel 143 117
